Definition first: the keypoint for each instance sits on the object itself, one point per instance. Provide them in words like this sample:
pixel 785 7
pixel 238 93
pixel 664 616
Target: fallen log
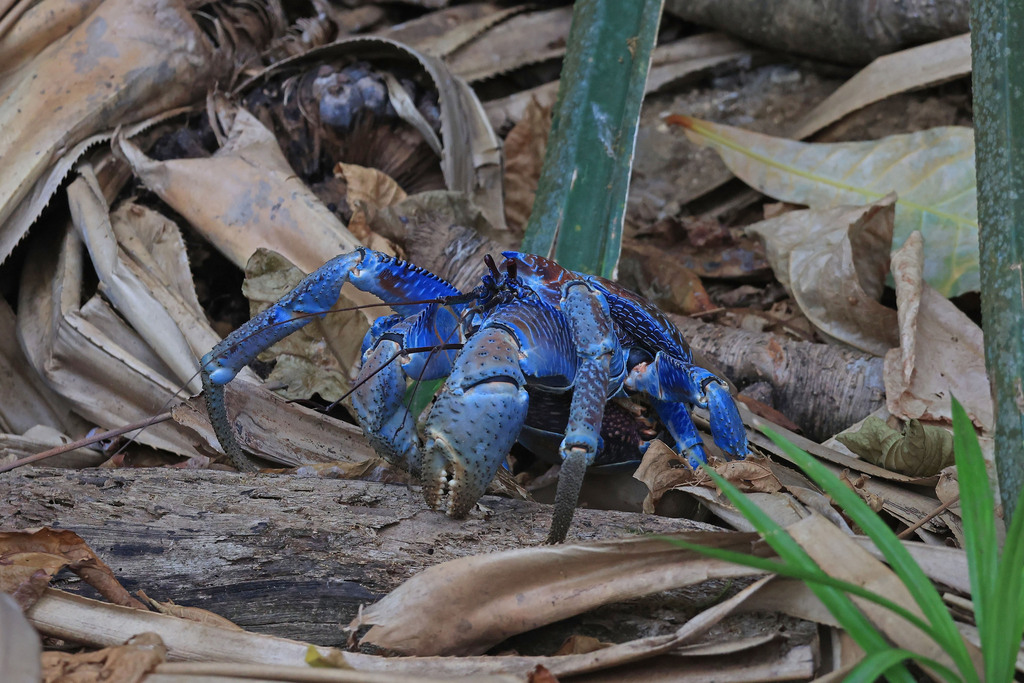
pixel 283 555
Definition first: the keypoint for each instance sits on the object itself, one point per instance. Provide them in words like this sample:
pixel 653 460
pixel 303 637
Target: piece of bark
pixel 821 387
pixel 284 555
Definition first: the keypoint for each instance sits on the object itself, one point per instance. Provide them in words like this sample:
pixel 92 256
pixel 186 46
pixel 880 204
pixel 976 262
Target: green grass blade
pixel 981 545
pixel 853 620
pixel 816 575
pixel 901 562
pixel 877 664
pixel 581 196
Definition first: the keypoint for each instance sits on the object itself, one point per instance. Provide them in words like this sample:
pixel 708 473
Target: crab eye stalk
pixel 492 267
pixel 512 268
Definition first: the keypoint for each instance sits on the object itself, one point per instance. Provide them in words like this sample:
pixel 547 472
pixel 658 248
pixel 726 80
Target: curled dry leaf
pixel 367 191
pixel 941 350
pixel 128 663
pixel 918 450
pixel 127 61
pixel 834 262
pixel 86 353
pixel 661 470
pixel 123 287
pixel 932 172
pixel 467 605
pixel 750 475
pixel 28 560
pixel 245 196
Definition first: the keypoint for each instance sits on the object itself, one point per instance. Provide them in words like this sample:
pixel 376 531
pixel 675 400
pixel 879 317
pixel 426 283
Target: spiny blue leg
pixel 669 379
pixel 379 397
pixel 601 363
pixel 393 281
pixel 676 418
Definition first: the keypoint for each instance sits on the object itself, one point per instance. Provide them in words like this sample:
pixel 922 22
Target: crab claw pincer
pixel 473 423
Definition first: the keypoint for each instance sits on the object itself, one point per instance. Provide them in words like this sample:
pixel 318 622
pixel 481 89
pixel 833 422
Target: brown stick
pixel 87 441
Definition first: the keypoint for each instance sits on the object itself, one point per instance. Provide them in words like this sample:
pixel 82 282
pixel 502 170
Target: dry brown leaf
pixel 750 475
pixel 128 663
pixel 245 196
pixel 25 401
pixel 941 351
pixel 28 560
pixel 903 71
pixel 661 470
pixel 581 645
pixel 441 32
pixel 368 191
pixel 524 155
pixel 834 262
pixel 130 60
pixel 127 291
pixel 86 352
pixel 840 557
pixel 465 606
pixel 656 274
pixel 522 39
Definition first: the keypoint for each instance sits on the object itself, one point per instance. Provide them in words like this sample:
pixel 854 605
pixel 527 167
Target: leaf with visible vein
pixel 932 171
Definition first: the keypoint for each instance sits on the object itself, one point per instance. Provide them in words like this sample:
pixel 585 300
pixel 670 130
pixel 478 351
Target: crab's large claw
pixel 474 422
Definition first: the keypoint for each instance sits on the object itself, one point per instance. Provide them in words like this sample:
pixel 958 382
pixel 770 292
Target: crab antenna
pixel 490 265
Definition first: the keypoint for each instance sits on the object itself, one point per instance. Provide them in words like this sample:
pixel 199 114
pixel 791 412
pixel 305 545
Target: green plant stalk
pixel 997 583
pixel 997 45
pixel 578 212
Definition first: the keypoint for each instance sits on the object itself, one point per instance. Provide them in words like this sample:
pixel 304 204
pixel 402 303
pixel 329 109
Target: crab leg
pixel 600 363
pixel 380 402
pixel 669 379
pixel 391 280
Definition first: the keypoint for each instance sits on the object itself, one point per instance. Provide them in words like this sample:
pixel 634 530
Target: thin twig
pixel 87 441
pixel 927 518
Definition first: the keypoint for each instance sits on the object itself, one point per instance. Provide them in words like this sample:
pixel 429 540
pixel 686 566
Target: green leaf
pixel 877 664
pixel 581 197
pixel 997 584
pixel 932 171
pixel 918 451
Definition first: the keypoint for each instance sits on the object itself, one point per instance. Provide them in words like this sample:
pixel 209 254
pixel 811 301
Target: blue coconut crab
pixel 534 330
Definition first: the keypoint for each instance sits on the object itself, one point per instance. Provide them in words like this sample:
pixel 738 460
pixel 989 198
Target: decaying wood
pixel 283 555
pixel 822 388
